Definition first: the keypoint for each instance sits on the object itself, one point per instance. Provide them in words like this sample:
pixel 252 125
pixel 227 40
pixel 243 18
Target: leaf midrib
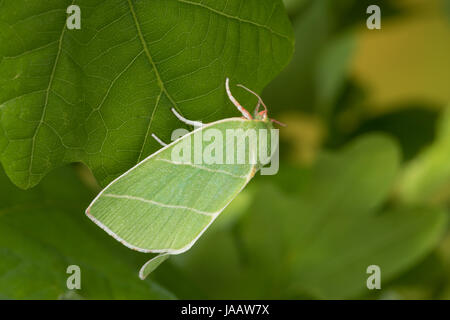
pixel 44 109
pixel 149 56
pixel 158 76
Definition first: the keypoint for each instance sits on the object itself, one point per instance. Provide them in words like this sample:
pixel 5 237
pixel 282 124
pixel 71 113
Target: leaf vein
pixel 235 18
pixel 203 168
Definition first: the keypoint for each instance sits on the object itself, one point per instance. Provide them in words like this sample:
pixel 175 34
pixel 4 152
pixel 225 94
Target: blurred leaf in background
pixel 398 78
pixel 413 125
pixel 317 241
pixel 325 35
pixel 427 178
pixel 44 230
pixel 408 60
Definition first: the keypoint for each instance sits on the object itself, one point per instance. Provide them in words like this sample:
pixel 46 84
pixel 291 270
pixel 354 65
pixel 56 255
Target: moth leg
pixel 279 122
pixel 159 140
pixel 260 101
pixel 188 122
pixel 244 112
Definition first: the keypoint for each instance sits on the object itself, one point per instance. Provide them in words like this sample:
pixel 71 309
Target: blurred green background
pixel 364 180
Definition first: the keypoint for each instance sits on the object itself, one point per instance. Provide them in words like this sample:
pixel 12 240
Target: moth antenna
pixel 189 122
pixel 244 112
pixel 260 101
pixel 279 123
pixel 159 140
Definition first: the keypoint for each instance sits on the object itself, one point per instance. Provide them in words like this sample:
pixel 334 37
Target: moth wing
pixel 163 205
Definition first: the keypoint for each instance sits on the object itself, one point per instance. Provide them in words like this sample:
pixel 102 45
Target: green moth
pixel 165 203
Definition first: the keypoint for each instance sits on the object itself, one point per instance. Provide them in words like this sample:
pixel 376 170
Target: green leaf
pixel 44 230
pixel 95 95
pixel 319 240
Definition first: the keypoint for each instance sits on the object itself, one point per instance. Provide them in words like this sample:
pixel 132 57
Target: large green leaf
pixel 44 230
pixel 95 95
pixel 317 241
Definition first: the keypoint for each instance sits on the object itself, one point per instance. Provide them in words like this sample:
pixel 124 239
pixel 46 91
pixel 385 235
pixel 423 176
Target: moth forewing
pixel 165 202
